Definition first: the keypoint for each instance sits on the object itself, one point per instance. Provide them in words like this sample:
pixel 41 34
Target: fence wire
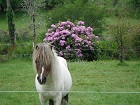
pixel 79 92
pixel 75 98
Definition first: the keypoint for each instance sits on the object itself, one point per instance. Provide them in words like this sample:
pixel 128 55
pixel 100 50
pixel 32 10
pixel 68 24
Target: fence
pixel 75 98
pixel 25 50
pixel 99 83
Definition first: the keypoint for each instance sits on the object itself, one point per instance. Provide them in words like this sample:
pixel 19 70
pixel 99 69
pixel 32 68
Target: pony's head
pixel 42 59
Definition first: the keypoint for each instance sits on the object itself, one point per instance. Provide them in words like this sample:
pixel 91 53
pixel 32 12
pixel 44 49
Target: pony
pixel 53 80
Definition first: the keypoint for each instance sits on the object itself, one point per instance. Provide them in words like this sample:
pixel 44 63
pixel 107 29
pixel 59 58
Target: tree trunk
pixel 34 29
pixel 121 47
pixel 11 25
pixel 8 3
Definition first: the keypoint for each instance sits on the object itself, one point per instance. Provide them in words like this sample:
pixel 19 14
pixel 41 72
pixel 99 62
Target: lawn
pixel 94 83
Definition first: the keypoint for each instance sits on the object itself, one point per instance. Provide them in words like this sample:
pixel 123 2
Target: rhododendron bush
pixel 70 38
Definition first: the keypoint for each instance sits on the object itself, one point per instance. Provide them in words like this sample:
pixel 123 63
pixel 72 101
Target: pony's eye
pixel 36 61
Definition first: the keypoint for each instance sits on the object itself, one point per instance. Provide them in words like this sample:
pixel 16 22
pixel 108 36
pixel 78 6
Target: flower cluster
pixel 66 35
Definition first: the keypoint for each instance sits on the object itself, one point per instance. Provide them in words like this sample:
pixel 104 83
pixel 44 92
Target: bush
pixel 108 50
pixel 135 40
pixel 14 3
pixel 70 38
pixel 92 15
pixel 126 36
pixel 4 37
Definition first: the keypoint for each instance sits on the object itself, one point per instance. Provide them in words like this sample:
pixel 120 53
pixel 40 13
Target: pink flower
pixel 80 55
pixel 91 48
pixel 73 35
pixel 63 23
pixel 53 26
pixel 45 39
pixel 81 23
pixel 49 38
pixel 90 29
pixel 62 42
pixel 70 23
pixel 49 30
pixel 56 34
pixel 61 53
pixel 96 37
pixel 68 47
pixel 79 39
pixel 78 44
pixel 65 32
pixel 55 38
pixel 60 28
pixel 48 34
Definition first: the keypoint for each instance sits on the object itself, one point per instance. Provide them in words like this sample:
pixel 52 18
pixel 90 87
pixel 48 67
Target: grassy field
pixel 94 83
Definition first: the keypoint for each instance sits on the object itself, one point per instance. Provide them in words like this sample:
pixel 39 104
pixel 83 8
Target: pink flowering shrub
pixel 66 36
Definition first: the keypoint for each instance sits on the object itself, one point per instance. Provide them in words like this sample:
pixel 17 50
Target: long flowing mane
pixel 42 54
pixel 45 55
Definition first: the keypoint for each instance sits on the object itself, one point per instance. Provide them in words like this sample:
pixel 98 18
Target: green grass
pixel 90 79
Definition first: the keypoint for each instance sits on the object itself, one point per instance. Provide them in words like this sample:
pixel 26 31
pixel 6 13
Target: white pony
pixel 53 80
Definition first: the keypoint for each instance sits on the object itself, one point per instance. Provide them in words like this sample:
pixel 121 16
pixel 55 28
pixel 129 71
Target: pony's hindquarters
pixel 68 82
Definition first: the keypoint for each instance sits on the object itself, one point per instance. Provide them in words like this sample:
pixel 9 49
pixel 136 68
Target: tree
pixel 136 4
pixel 11 25
pixel 14 4
pixel 31 7
pixel 120 33
pixel 115 2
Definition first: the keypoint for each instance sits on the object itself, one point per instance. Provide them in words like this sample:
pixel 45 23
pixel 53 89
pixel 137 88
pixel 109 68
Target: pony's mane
pixel 47 57
pixel 43 53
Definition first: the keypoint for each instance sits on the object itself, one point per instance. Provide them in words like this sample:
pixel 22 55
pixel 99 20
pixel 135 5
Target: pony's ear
pixel 51 46
pixel 36 46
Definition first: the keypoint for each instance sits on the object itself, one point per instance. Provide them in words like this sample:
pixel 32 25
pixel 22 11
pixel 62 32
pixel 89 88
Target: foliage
pixel 49 4
pixel 134 32
pixel 77 39
pixel 14 3
pixel 118 32
pixel 115 2
pixel 78 10
pixel 125 35
pixel 136 4
pixel 108 50
pixel 4 37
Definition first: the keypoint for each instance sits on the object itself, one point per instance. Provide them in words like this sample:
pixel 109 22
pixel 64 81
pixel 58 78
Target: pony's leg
pixel 42 100
pixel 66 97
pixel 58 99
pixel 51 102
pixel 65 100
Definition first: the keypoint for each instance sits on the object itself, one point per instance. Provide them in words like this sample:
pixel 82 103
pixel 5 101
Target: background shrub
pixel 92 15
pixel 78 40
pixel 126 37
pixel 108 50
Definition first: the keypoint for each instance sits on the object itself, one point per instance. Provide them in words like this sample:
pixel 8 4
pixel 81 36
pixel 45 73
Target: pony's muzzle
pixel 42 81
